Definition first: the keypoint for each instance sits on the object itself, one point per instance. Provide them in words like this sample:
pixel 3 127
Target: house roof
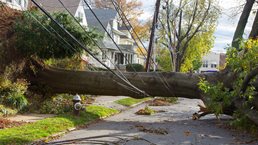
pixel 123 27
pixel 107 44
pixel 104 15
pixel 56 6
pixel 127 48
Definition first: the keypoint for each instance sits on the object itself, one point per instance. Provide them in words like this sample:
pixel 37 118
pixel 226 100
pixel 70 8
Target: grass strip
pixel 50 126
pixel 130 101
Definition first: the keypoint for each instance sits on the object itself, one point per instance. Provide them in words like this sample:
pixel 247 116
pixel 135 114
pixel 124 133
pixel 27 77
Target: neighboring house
pixel 16 4
pixel 141 55
pixel 110 54
pixel 213 62
pixel 76 7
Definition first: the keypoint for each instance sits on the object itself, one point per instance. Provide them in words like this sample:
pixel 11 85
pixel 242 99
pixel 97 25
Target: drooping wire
pixel 162 79
pixel 108 33
pixel 94 14
pixel 94 41
pixel 51 33
pixel 87 50
pixel 116 6
pixel 93 68
pixel 128 29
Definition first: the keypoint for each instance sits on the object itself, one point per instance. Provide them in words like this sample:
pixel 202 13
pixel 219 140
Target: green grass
pixel 130 101
pixel 47 127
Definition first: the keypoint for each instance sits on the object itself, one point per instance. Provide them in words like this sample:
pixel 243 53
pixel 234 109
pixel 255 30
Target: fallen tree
pixel 44 79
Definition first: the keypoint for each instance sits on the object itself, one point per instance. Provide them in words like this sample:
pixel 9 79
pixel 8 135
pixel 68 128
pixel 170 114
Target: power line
pixel 107 32
pixel 86 49
pixel 110 36
pixel 164 82
pixel 122 12
pixel 76 20
pixel 128 30
pixel 127 27
pixel 51 33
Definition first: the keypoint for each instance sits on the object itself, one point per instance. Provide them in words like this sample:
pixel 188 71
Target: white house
pixel 75 7
pixel 212 62
pixel 16 4
pixel 110 53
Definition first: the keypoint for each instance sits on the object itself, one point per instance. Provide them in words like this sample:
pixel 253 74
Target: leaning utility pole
pixel 155 20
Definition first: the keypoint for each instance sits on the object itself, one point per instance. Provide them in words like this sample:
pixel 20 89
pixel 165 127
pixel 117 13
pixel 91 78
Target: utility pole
pixel 152 37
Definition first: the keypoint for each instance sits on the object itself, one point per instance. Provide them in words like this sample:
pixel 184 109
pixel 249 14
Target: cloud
pixel 226 24
pixel 145 16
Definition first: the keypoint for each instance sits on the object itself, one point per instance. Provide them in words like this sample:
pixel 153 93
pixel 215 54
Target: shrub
pixel 12 93
pixel 6 111
pixel 32 39
pixel 58 104
pixel 242 62
pixel 134 67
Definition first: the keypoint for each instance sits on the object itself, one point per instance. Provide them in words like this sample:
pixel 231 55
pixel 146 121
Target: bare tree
pixel 181 23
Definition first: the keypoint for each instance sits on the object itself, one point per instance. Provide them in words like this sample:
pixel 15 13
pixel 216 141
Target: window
pixel 19 2
pixel 25 3
pixel 126 56
pixel 213 65
pixel 10 1
pixel 112 55
pixel 205 64
pixel 119 58
pixel 104 55
pixel 80 17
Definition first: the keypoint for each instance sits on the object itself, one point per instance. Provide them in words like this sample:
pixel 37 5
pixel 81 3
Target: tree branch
pixel 189 38
pixel 254 31
pixel 248 78
pixel 242 23
pixel 192 21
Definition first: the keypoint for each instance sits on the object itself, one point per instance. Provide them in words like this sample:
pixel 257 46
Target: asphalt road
pixel 172 125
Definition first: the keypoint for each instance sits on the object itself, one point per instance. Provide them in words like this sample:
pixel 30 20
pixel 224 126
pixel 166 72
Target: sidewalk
pixel 107 101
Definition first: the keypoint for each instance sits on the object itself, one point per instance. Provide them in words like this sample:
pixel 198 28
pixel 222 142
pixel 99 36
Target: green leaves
pixel 219 96
pixel 241 63
pixel 37 35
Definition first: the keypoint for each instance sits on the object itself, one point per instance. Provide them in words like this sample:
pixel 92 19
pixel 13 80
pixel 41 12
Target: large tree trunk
pixel 242 23
pixel 254 31
pixel 165 84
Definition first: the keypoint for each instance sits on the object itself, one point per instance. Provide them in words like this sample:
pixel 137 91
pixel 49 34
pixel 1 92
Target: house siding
pixel 212 62
pixel 80 13
pixel 17 4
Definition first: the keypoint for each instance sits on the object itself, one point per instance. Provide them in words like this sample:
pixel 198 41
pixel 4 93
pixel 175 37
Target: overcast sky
pixel 226 24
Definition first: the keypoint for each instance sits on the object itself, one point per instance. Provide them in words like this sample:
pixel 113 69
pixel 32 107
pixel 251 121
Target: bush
pixel 12 93
pixel 57 105
pixel 32 39
pixel 5 111
pixel 134 67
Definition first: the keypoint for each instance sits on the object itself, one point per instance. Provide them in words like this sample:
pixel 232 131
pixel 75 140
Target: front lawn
pixel 130 101
pixel 50 126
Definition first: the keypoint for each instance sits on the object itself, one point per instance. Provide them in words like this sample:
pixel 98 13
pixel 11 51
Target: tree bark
pixel 162 84
pixel 254 31
pixel 242 23
pixel 105 83
pixel 155 20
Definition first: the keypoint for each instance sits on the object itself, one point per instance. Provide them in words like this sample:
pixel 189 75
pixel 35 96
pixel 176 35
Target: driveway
pixel 171 125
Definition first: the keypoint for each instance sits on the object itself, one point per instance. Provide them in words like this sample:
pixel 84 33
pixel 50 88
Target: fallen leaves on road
pixel 159 131
pixel 5 123
pixel 159 102
pixel 145 111
pixel 187 133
